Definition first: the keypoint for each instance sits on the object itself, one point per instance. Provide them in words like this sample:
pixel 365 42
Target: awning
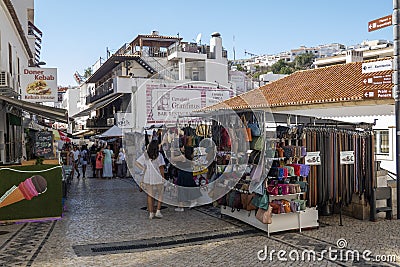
pixel 82 133
pixel 97 105
pixel 114 131
pixel 56 114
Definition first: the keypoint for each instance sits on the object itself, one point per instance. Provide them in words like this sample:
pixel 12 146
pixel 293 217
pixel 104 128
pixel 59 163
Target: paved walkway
pixel 105 225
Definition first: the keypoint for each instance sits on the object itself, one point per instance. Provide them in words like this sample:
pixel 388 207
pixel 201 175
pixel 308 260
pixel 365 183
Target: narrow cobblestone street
pixel 105 225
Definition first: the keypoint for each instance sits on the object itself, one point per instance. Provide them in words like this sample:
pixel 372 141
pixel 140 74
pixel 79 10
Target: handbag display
pixel 301 203
pixel 273 189
pixel 264 216
pixel 286 205
pixel 294 188
pixel 276 208
pixel 255 129
pixel 247 131
pixel 285 189
pixel 247 201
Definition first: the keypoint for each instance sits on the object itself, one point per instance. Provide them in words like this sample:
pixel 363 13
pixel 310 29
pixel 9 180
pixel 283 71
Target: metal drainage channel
pixel 159 243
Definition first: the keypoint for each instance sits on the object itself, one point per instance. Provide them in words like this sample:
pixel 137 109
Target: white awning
pixel 97 105
pixel 114 131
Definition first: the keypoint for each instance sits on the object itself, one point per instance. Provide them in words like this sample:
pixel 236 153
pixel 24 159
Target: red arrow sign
pixel 380 23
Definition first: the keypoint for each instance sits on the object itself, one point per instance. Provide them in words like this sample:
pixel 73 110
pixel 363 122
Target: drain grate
pixel 159 243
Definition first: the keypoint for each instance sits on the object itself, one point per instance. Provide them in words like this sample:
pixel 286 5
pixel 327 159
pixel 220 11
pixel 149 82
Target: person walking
pixel 99 162
pixel 76 153
pixel 107 165
pixel 152 163
pixel 188 191
pixel 70 161
pixel 121 164
pixel 84 155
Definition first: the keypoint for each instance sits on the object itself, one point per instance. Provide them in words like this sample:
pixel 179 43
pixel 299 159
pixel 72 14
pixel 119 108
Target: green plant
pixel 39 161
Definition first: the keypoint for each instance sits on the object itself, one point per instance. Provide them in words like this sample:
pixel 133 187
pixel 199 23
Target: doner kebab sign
pixel 39 85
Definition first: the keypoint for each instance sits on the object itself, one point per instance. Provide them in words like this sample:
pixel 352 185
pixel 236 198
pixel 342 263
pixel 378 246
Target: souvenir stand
pixel 310 167
pixel 306 167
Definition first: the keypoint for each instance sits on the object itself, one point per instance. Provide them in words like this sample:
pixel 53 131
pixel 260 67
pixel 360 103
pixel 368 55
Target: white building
pixel 154 79
pixel 17 45
pixel 369 49
pixel 20 46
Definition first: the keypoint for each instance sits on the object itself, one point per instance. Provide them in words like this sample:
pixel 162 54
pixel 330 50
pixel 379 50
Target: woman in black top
pixel 188 191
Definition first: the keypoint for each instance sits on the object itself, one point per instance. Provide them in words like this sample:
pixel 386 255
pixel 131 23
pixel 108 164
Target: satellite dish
pixel 198 38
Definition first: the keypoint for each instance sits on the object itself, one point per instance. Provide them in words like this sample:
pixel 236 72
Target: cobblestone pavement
pixel 105 225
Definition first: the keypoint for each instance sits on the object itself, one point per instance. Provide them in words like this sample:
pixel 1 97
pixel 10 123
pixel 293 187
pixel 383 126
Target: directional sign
pixel 378 93
pixel 377 79
pixel 377 66
pixel 380 23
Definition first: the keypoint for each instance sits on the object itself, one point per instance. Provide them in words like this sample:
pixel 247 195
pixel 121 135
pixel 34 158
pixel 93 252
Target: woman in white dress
pixel 107 165
pixel 152 163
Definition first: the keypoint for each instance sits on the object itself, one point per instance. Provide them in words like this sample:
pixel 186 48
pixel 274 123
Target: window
pixel 382 142
pixel 10 59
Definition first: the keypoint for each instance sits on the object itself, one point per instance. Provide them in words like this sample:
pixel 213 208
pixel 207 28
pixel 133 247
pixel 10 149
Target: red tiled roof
pixel 338 83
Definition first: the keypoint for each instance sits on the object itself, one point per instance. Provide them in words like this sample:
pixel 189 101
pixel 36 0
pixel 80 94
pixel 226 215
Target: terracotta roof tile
pixel 338 83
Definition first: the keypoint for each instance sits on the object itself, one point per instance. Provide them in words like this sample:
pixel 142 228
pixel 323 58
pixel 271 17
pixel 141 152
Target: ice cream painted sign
pixel 39 85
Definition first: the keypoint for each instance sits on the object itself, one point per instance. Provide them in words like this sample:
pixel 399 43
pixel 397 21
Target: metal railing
pixel 162 71
pixel 101 91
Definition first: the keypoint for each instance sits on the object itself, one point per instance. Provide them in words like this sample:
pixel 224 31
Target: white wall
pixel 217 72
pixel 382 123
pixel 10 35
pixel 71 98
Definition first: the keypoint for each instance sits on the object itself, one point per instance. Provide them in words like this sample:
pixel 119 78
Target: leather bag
pixel 264 216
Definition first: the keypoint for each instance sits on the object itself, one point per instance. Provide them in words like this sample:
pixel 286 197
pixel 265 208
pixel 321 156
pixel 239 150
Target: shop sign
pixel 378 93
pixel 124 120
pixel 376 66
pixel 377 79
pixel 214 97
pixel 165 105
pixel 39 85
pixel 44 144
pixel 313 158
pixel 346 157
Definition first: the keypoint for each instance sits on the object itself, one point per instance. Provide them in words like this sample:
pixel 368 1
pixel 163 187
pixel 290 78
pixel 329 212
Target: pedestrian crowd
pixel 104 162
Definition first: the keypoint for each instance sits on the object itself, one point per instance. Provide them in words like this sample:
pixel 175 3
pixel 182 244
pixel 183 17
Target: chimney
pixel 354 56
pixel 216 45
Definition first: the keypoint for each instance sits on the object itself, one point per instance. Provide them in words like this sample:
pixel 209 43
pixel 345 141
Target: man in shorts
pixel 76 153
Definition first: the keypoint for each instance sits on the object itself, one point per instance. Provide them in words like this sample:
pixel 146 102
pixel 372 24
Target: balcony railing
pixel 101 91
pixel 99 122
pixel 37 34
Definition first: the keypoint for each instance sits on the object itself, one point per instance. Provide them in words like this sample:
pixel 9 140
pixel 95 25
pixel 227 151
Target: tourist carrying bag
pixel 264 216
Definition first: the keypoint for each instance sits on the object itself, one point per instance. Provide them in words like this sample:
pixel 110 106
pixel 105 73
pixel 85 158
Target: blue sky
pixel 77 33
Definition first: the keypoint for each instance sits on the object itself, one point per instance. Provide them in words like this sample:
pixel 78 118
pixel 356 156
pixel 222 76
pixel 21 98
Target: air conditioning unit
pixel 110 121
pixel 5 79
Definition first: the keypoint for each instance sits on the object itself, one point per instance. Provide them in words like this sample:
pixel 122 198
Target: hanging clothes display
pixel 335 183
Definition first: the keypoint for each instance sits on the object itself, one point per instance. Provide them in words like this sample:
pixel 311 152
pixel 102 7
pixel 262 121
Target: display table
pixel 280 222
pixel 24 198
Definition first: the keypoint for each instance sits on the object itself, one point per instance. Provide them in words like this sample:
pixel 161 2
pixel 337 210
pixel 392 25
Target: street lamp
pixel 40 63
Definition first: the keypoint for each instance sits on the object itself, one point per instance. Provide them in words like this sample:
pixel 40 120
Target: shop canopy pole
pixel 396 81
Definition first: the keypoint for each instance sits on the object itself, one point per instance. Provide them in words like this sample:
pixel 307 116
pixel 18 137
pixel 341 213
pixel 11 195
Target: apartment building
pixel 154 79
